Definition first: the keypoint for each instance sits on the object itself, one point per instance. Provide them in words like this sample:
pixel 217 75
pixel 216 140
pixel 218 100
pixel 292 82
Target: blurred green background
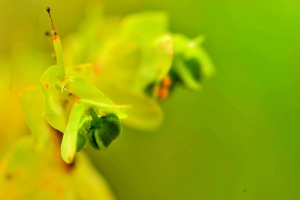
pixel 236 139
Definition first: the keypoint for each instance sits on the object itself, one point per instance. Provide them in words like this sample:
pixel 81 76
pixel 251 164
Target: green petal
pixel 85 90
pixel 103 109
pixel 156 60
pixel 144 26
pixel 185 75
pixel 53 110
pixel 69 141
pixel 145 114
pixel 33 112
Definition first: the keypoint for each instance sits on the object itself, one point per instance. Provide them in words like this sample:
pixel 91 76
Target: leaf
pixel 69 141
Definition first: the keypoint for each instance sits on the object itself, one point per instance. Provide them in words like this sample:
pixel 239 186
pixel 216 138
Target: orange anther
pixel 166 82
pixel 163 93
pixel 54 37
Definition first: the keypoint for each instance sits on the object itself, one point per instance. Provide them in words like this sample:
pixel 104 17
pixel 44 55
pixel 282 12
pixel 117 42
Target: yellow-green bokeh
pixel 236 139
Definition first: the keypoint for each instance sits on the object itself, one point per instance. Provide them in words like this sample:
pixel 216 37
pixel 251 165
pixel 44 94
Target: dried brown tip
pixel 54 32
